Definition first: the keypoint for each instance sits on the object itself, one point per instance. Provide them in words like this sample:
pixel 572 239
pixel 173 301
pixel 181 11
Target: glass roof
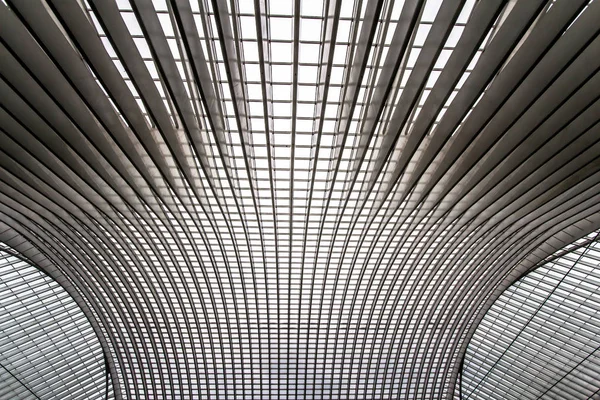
pixel 48 349
pixel 293 199
pixel 541 338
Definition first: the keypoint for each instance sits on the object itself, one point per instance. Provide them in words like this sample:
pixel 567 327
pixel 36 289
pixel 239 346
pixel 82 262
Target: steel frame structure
pixel 304 199
pixel 541 337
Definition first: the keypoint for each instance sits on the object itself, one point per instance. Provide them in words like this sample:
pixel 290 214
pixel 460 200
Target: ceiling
pixel 288 200
pixel 541 337
pixel 41 330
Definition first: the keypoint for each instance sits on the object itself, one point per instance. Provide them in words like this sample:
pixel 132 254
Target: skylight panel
pixel 280 28
pixel 544 314
pixel 136 32
pixel 55 337
pixel 301 212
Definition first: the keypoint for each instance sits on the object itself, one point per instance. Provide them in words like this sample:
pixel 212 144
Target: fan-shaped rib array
pixel 295 199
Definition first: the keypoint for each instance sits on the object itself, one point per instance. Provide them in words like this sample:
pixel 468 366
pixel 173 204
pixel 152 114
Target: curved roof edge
pixel 20 247
pixel 575 239
pixel 548 245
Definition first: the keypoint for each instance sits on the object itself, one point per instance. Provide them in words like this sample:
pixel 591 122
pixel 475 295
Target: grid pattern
pixel 295 199
pixel 48 350
pixel 541 338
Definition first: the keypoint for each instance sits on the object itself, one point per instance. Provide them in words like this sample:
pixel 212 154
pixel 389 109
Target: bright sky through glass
pixel 47 346
pixel 292 132
pixel 288 199
pixel 541 338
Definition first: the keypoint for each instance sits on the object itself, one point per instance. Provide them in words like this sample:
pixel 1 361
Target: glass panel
pixel 541 337
pixel 48 348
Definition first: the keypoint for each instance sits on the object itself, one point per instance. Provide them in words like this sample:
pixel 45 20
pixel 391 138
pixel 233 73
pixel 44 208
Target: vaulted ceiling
pixel 541 337
pixel 295 199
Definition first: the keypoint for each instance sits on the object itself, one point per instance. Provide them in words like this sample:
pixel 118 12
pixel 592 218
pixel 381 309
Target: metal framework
pixel 48 348
pixel 541 338
pixel 295 199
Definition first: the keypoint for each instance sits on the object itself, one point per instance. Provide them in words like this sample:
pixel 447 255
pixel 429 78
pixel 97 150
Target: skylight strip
pixel 264 54
pixel 324 30
pixel 140 75
pixel 337 148
pixel 242 186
